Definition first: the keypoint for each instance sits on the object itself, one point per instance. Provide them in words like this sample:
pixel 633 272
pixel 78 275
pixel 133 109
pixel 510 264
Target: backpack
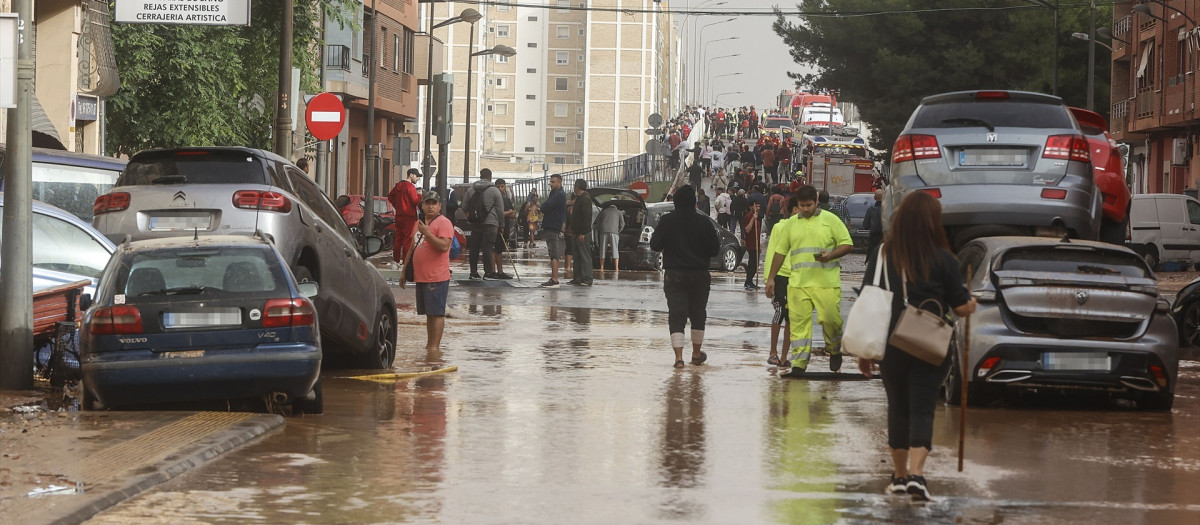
pixel 476 208
pixel 455 247
pixel 773 207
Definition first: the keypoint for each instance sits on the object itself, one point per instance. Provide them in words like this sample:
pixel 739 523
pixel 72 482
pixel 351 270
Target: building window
pixel 528 149
pixel 532 44
pixel 501 59
pixel 502 108
pixel 562 58
pixel 410 39
pixel 382 48
pixel 560 160
pixel 533 19
pixel 560 83
pixel 563 5
pixel 560 136
pixel 502 31
pixel 501 83
pixel 530 123
pixel 581 31
pixel 503 7
pixel 562 32
pixel 530 97
pixel 581 57
pixel 396 52
pixel 500 135
pixel 580 84
pixel 531 70
pixel 579 110
pixel 560 109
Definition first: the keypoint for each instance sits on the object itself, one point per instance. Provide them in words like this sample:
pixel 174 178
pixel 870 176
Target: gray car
pixel 1000 162
pixel 857 205
pixel 225 190
pixel 1064 315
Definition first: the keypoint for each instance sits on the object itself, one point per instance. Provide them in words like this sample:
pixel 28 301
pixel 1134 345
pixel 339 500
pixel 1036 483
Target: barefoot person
pixel 688 242
pixel 431 269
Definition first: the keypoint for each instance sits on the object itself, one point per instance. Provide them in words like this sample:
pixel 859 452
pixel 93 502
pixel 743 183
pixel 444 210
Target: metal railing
pixel 1122 29
pixel 1118 117
pixel 619 174
pixel 1145 103
pixel 366 64
pixel 337 56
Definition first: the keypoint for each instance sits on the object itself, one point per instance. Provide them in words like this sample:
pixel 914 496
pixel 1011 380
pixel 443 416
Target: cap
pixel 432 196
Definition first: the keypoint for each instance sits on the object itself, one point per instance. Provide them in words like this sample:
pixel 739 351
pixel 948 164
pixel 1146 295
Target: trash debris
pixel 27 409
pixel 54 489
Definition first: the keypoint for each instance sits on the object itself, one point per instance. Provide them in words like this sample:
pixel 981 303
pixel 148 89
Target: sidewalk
pixel 64 467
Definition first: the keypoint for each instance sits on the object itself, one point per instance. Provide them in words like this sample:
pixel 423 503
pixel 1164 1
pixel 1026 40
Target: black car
pixel 858 204
pixel 1187 314
pixel 640 220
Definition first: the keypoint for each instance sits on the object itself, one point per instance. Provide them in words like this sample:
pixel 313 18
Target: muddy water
pixel 565 409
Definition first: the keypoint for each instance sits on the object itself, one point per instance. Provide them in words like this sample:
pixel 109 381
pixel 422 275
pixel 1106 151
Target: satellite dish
pixel 655 120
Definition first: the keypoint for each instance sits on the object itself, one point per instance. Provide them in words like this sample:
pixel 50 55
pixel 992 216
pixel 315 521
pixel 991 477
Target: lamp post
pixel 683 29
pixel 467 15
pixel 1084 37
pixel 704 56
pixel 1104 32
pixel 711 80
pixel 719 95
pixel 497 50
pixel 708 65
pixel 697 57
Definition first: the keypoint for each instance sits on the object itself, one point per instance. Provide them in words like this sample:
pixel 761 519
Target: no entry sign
pixel 325 116
pixel 641 188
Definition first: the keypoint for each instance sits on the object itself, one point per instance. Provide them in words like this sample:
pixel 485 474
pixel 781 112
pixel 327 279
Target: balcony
pixel 1118 119
pixel 366 64
pixel 1145 103
pixel 337 57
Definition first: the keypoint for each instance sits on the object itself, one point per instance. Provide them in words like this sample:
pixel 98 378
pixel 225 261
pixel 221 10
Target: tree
pixel 186 85
pixel 886 55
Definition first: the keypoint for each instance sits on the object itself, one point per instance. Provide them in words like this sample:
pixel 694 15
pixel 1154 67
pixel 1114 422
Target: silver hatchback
pixel 229 190
pixel 1000 162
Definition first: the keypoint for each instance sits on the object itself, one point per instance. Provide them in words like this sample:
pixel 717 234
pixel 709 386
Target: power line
pixel 763 12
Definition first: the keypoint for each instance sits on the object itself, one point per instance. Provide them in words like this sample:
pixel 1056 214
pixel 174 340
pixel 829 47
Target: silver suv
pixel 1000 162
pixel 226 190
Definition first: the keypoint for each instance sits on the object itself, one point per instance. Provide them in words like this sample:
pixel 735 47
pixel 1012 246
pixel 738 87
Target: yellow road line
pixel 388 378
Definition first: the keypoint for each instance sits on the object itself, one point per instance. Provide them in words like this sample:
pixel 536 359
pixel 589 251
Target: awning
pixel 41 125
pixel 1141 72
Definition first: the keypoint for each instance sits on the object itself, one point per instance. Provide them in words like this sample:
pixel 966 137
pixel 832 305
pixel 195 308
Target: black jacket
pixel 686 239
pixel 581 215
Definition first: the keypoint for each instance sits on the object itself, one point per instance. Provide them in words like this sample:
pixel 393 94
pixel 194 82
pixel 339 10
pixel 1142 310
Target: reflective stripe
pixel 830 264
pixel 798 251
pixel 800 343
pixel 800 359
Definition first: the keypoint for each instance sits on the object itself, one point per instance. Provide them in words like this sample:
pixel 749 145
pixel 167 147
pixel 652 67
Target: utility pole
pixel 322 176
pixel 368 219
pixel 16 275
pixel 283 110
pixel 1091 70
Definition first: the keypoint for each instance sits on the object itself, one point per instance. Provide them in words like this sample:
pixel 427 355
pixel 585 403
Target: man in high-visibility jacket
pixel 813 241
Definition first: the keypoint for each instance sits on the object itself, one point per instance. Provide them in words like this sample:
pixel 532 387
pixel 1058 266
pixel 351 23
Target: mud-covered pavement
pixel 565 409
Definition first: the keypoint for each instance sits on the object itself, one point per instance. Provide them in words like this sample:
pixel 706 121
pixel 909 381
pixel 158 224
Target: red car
pixel 351 208
pixel 1109 173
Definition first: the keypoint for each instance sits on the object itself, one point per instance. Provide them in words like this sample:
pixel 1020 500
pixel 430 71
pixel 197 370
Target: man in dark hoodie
pixel 483 235
pixel 688 242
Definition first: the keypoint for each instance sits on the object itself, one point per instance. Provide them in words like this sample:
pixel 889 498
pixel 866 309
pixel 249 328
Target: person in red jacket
pixel 406 200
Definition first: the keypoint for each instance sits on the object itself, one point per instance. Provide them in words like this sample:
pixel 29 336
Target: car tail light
pixel 262 200
pixel 936 192
pixel 1072 147
pixel 915 147
pixel 1054 193
pixel 288 312
pixel 111 202
pixel 1159 375
pixel 987 365
pixel 991 95
pixel 112 320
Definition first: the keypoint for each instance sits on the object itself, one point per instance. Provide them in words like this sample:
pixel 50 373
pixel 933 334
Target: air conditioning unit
pixel 1179 152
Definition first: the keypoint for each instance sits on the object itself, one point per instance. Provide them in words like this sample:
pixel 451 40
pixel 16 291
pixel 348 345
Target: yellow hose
pixel 389 378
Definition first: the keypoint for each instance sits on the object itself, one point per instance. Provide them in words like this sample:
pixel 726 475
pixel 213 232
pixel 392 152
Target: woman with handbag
pixel 917 255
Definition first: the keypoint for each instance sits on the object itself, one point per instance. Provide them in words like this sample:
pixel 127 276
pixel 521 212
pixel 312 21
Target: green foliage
pixel 887 63
pixel 185 85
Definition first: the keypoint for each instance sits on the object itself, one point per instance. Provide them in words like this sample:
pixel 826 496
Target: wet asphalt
pixel 565 409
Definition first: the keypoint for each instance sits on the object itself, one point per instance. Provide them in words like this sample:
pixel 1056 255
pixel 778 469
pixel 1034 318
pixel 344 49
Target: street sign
pixel 190 12
pixel 325 116
pixel 640 188
pixel 655 120
pixel 655 131
pixel 657 147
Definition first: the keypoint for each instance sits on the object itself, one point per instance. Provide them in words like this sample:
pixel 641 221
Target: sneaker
pixel 574 282
pixel 917 489
pixel 748 287
pixel 550 284
pixel 476 277
pixel 897 486
pixel 835 362
pixel 796 372
pixel 585 283
pixel 490 277
pixel 503 276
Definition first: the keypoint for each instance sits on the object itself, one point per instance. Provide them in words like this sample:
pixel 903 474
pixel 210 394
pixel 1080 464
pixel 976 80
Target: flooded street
pixel 565 409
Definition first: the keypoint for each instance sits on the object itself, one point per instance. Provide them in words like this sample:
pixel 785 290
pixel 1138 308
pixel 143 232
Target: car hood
pixel 601 195
pixel 1094 297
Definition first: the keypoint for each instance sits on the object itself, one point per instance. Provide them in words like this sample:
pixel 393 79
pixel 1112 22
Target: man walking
pixel 554 213
pixel 484 208
pixel 814 240
pixel 581 228
pixel 687 242
pixel 405 200
pixel 431 270
pixel 609 225
pixel 751 226
pixel 721 203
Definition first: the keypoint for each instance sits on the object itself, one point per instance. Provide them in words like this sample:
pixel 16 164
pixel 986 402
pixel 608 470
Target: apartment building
pixel 579 91
pixel 1154 93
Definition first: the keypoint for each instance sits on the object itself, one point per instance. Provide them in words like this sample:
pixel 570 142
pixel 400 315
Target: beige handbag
pixel 922 333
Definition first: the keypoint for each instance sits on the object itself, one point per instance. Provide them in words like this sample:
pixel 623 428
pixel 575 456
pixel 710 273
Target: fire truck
pixel 836 160
pixel 802 105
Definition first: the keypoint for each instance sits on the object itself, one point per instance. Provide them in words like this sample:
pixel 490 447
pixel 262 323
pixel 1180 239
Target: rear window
pixel 1073 261
pixel 193 167
pixel 1009 114
pixel 778 123
pixel 206 271
pixel 857 205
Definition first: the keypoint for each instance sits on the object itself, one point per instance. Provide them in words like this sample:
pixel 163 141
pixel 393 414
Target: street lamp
pixel 497 50
pixel 467 15
pixel 684 30
pixel 1104 32
pixel 696 54
pixel 719 95
pixel 1085 38
pixel 700 89
pixel 708 67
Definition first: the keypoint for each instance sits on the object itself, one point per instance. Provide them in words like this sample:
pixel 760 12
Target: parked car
pixel 1187 314
pixel 69 180
pixel 858 204
pixel 1165 227
pixel 1059 315
pixel 227 190
pixel 351 208
pixel 640 220
pixel 211 318
pixel 1108 171
pixel 777 123
pixel 1000 162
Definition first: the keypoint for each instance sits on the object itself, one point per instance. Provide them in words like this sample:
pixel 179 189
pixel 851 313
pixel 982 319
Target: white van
pixel 1165 227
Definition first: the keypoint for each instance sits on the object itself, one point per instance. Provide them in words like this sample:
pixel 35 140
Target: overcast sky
pixel 764 60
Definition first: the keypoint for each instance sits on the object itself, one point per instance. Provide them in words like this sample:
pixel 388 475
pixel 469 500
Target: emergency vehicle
pixel 837 163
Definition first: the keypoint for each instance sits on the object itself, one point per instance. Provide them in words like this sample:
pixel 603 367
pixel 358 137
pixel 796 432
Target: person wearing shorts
pixel 554 214
pixel 779 301
pixel 431 269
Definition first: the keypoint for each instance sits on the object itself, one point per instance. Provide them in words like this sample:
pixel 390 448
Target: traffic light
pixel 443 106
pixel 401 151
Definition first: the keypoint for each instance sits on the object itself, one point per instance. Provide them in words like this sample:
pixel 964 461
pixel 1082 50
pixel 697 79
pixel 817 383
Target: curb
pixel 193 456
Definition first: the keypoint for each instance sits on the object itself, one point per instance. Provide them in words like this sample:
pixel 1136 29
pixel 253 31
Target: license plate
pixel 183 354
pixel 179 222
pixel 1076 361
pixel 991 157
pixel 206 318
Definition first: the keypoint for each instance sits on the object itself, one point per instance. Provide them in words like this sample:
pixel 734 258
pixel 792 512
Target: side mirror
pixel 372 245
pixel 309 289
pixel 85 301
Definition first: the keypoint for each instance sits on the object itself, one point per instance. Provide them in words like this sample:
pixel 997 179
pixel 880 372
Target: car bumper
pixel 1015 359
pixel 1021 206
pixel 118 378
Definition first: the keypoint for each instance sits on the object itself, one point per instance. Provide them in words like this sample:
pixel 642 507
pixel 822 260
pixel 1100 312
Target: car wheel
pixel 952 386
pixel 729 259
pixel 87 401
pixel 302 274
pixel 1114 232
pixel 316 405
pixel 1156 401
pixel 383 344
pixel 1150 255
pixel 1189 324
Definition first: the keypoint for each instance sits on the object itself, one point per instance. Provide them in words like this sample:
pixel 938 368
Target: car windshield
pixel 381 206
pixel 858 205
pixel 209 271
pixel 1011 114
pixel 1070 260
pixel 193 167
pixel 65 247
pixel 778 123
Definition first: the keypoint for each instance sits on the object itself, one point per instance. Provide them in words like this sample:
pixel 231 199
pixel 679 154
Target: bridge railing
pixel 619 174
